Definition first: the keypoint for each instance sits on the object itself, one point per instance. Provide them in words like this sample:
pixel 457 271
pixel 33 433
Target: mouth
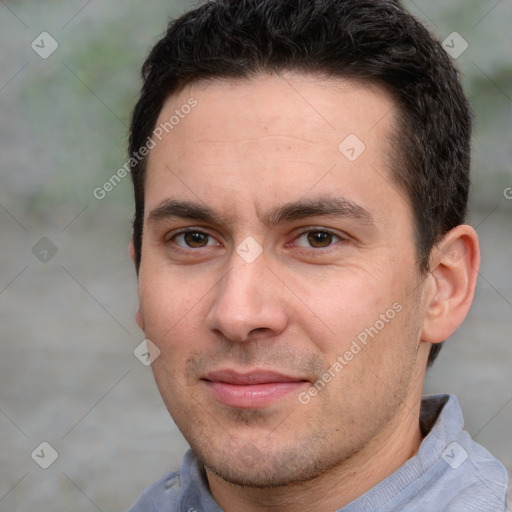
pixel 251 390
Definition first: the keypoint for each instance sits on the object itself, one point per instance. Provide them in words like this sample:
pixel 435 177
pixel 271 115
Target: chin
pixel 251 467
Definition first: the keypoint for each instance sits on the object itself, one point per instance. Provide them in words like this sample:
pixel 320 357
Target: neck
pixel 334 489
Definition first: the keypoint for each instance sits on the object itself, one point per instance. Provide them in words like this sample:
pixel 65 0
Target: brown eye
pixel 319 239
pixel 193 240
pixel 196 239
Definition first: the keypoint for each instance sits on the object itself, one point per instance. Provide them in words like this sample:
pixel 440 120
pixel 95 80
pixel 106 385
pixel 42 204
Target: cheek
pixel 170 306
pixel 345 306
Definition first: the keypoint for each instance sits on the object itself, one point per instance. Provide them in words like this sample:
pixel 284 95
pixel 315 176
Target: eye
pixel 317 239
pixel 193 239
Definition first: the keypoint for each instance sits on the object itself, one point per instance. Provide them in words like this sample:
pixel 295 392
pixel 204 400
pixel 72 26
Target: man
pixel 301 253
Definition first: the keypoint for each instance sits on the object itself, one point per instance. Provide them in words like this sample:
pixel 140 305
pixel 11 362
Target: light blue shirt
pixel 449 473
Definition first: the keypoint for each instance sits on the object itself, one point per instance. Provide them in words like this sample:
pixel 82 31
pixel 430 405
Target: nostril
pixel 259 330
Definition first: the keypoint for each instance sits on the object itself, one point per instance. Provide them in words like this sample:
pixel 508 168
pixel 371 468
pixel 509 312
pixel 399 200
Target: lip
pixel 250 390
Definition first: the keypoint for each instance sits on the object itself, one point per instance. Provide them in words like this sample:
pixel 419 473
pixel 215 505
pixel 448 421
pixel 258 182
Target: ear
pixel 138 314
pixel 139 319
pixel 131 250
pixel 450 288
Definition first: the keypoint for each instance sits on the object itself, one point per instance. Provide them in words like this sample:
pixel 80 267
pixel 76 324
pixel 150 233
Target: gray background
pixel 68 375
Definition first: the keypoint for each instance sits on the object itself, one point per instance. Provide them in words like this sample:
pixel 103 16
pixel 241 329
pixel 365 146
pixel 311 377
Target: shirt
pixel 449 473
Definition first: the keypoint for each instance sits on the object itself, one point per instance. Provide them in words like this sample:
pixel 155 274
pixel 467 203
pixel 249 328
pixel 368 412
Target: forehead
pixel 273 139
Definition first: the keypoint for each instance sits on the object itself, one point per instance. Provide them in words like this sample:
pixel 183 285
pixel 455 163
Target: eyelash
pixel 317 250
pixel 185 232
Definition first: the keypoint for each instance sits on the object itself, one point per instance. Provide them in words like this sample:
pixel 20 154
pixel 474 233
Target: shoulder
pixel 163 495
pixel 463 475
pixel 479 481
pixel 449 473
pixel 183 490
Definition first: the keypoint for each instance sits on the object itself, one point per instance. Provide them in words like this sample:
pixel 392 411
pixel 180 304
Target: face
pixel 278 276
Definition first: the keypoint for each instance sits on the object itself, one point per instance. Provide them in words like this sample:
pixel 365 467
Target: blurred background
pixel 69 77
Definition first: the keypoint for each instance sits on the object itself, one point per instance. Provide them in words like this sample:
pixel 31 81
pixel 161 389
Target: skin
pixel 247 149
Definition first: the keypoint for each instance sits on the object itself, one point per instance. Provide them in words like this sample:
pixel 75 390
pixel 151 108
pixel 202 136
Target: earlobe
pixel 138 315
pixel 131 250
pixel 455 262
pixel 139 319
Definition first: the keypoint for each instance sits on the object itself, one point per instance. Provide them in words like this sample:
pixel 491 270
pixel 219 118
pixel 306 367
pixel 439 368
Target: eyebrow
pixel 184 210
pixel 288 212
pixel 318 207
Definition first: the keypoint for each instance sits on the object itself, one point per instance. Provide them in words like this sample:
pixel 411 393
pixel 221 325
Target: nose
pixel 248 302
